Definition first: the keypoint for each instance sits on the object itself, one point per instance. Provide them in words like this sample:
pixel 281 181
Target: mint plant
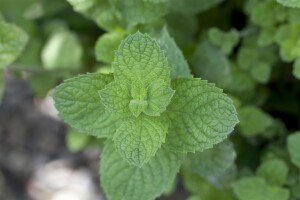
pixel 150 94
pixel 150 120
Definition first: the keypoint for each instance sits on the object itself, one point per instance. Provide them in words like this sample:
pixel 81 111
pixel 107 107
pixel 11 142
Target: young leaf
pixel 251 188
pixel 159 96
pixel 12 42
pixel 119 96
pixel 200 115
pixel 290 3
pixel 142 78
pixel 136 107
pixel 79 104
pixel 212 162
pixel 178 64
pixel 138 139
pixel 274 171
pixel 293 145
pixel 126 182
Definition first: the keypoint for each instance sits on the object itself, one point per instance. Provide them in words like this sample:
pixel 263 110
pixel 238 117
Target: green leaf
pixel 293 145
pixel 241 82
pixel 253 121
pixel 225 40
pixel 212 162
pixel 142 78
pixel 137 107
pixel 104 69
pixel 261 72
pixel 260 64
pixel 106 46
pixel 200 116
pixel 178 64
pixel 267 36
pixel 138 139
pixel 135 12
pixel 204 190
pixel 62 50
pixel 116 96
pixel 182 31
pixel 246 52
pixel 120 97
pixel 274 171
pixel 288 39
pixel 209 63
pixel 79 104
pixel 296 69
pixel 158 97
pixel 100 11
pixel 190 7
pixel 259 15
pixel 32 52
pixel 251 188
pixel 139 58
pixel 16 14
pixel 171 188
pixel 141 85
pixel 290 3
pixel 12 42
pixel 126 182
pixel 76 141
pixel 55 26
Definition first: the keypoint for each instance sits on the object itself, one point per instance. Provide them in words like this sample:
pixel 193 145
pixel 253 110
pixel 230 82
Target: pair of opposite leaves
pixel 140 107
